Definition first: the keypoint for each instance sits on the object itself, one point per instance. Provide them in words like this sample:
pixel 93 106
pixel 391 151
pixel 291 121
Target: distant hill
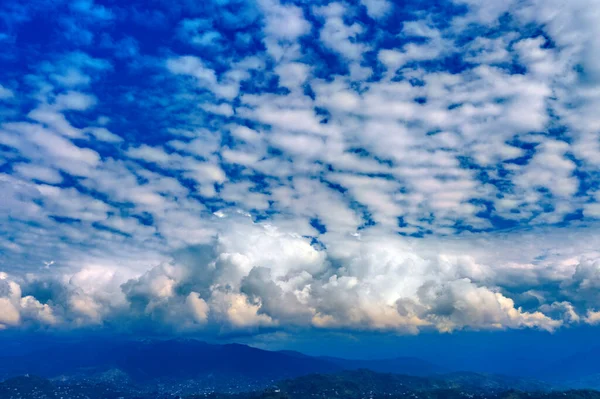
pixel 493 382
pixel 178 359
pixel 581 370
pixel 386 383
pixel 398 365
pixel 228 368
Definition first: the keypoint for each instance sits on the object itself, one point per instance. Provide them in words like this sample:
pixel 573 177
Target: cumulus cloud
pixel 17 309
pixel 255 276
pixel 302 166
pixel 593 317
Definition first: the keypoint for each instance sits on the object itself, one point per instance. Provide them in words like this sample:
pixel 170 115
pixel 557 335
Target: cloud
pixel 284 21
pixel 198 307
pixel 5 93
pixel 592 317
pixel 255 275
pixel 17 309
pixel 377 8
pixel 256 165
pixel 337 35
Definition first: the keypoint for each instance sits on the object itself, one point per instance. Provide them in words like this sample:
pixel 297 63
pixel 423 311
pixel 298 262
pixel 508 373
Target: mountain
pixel 398 365
pixel 179 359
pixel 493 382
pixel 199 365
pixel 386 383
pixel 184 359
pixel 581 370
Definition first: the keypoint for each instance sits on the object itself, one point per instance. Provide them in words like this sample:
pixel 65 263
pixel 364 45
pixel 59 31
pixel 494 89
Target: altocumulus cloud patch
pixel 247 166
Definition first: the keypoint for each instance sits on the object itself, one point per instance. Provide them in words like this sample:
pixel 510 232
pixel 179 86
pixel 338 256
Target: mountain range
pixel 249 368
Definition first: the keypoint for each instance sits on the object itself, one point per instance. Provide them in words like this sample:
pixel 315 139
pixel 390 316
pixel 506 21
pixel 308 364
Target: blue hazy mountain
pixel 581 370
pixel 397 365
pixel 236 367
pixel 143 360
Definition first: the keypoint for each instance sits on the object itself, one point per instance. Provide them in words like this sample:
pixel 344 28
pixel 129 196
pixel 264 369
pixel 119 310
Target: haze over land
pixel 360 179
pixel 184 368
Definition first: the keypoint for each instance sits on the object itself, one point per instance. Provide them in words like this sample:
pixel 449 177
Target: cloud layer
pixel 246 166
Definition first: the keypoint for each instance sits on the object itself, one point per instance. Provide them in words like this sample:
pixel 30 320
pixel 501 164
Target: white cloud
pixel 5 93
pixel 198 307
pixel 592 317
pixel 103 134
pixel 149 154
pixel 15 309
pixel 206 77
pixel 292 75
pixel 377 8
pixel 341 176
pixel 38 172
pixel 284 21
pixel 74 101
pixel 339 36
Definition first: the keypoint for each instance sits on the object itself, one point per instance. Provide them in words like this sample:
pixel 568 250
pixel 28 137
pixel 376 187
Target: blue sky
pixel 259 169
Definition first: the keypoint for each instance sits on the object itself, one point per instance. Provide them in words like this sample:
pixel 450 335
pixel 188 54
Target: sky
pixel 261 170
